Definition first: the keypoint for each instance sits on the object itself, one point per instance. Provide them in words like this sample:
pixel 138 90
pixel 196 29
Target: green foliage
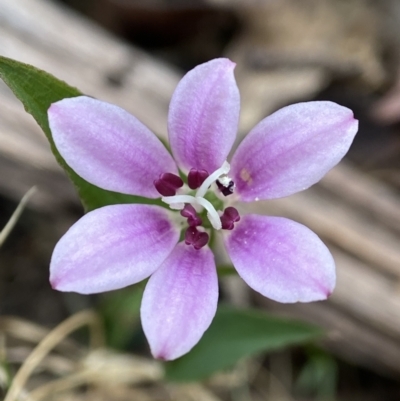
pixel 319 376
pixel 226 270
pixel 121 313
pixel 235 334
pixel 37 90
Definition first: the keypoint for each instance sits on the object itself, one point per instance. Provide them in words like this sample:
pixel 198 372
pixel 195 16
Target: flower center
pixel 190 205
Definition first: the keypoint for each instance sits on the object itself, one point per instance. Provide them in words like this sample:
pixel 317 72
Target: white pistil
pixel 224 169
pixel 177 206
pixel 178 201
pixel 212 214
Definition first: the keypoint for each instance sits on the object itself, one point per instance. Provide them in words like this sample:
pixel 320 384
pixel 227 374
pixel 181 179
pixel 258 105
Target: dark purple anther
pixel 192 218
pixel 196 238
pixel 226 190
pixel 167 184
pixel 196 178
pixel 229 217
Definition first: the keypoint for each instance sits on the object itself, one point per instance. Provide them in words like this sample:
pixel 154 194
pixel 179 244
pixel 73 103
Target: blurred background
pixel 133 53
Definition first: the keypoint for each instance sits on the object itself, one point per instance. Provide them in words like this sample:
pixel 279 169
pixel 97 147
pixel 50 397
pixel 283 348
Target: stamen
pixel 192 218
pixel 212 214
pixel 229 217
pixel 196 238
pixel 225 185
pixel 178 202
pixel 224 169
pixel 167 184
pixel 196 178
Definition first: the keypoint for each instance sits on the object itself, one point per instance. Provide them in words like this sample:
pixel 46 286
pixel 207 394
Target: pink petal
pixel 180 301
pixel 112 247
pixel 292 149
pixel 281 259
pixel 108 147
pixel 204 115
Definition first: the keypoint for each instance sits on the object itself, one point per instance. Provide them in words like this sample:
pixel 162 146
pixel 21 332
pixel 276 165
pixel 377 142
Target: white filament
pixel 178 201
pixel 224 169
pixel 212 214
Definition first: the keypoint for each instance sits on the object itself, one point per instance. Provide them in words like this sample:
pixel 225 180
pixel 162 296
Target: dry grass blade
pixel 63 384
pixel 75 322
pixel 15 216
pixel 27 331
pixel 107 371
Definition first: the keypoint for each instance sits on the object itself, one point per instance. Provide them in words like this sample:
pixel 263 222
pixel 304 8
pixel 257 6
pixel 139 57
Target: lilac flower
pixel 116 246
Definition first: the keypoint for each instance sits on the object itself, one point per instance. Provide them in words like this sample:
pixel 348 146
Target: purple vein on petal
pixel 109 147
pixel 281 259
pixel 112 247
pixel 292 149
pixel 203 116
pixel 180 301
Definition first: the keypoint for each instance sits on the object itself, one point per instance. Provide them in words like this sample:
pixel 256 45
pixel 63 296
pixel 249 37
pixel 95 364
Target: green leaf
pixel 235 334
pixel 37 90
pixel 121 313
pixel 318 379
